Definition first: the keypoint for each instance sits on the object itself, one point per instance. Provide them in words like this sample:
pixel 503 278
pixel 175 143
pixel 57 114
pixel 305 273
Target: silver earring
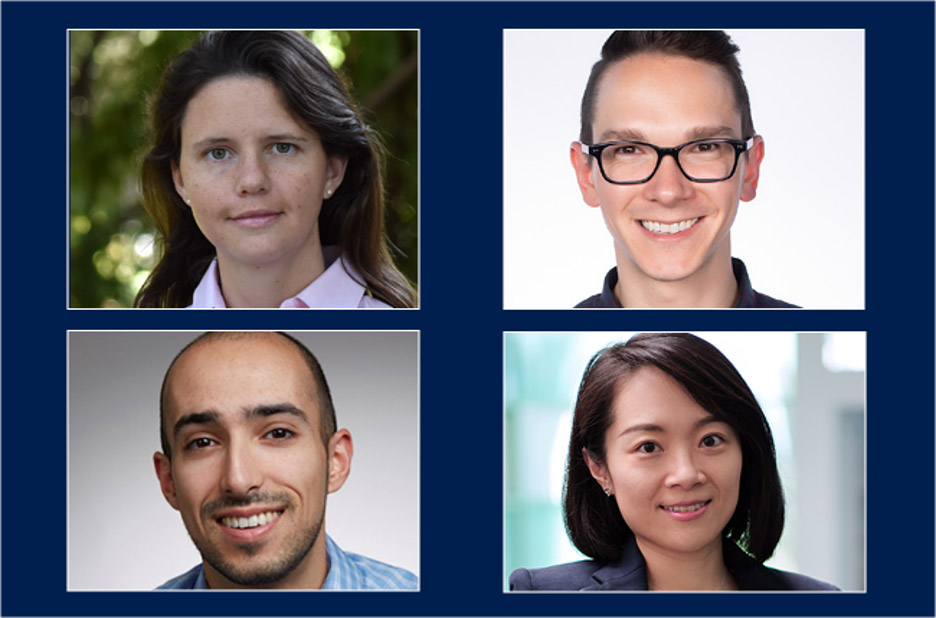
pixel 328 193
pixel 607 491
pixel 188 201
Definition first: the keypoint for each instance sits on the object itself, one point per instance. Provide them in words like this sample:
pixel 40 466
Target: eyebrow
pixel 272 410
pixel 653 428
pixel 691 135
pixel 275 137
pixel 209 417
pixel 195 418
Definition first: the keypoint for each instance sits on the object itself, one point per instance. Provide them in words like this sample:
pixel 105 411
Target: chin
pixel 666 272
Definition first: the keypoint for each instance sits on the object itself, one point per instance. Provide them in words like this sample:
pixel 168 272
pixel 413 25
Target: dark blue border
pixel 461 318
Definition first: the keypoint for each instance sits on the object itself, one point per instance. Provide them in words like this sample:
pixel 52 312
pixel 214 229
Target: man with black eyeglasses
pixel 666 151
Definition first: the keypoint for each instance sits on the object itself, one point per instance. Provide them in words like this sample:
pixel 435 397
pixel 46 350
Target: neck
pixel 308 575
pixel 268 285
pixel 712 285
pixel 701 570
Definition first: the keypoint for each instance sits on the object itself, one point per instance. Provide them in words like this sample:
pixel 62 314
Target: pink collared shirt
pixel 333 289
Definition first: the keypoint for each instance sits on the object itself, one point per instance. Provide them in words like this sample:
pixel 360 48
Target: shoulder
pixel 606 299
pixel 350 571
pixel 569 576
pixel 629 572
pixel 382 576
pixel 591 302
pixel 768 302
pixel 187 581
pixel 795 581
pixel 751 575
pixel 748 297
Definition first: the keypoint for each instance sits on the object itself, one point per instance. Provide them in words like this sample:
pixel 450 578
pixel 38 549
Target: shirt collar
pixel 746 298
pixel 200 582
pixel 338 286
pixel 343 574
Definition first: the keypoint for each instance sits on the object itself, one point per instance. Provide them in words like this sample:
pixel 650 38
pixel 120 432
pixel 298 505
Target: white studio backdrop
pixel 802 237
pixel 122 535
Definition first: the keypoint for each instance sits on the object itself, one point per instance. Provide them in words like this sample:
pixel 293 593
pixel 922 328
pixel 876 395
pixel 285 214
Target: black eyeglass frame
pixel 740 146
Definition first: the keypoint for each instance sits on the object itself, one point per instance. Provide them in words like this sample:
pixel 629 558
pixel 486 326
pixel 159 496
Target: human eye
pixel 648 448
pixel 280 434
pixel 707 147
pixel 218 154
pixel 627 149
pixel 284 148
pixel 713 440
pixel 200 444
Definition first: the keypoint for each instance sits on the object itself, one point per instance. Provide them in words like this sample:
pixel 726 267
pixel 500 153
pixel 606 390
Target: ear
pixel 584 174
pixel 340 452
pixel 177 181
pixel 164 474
pixel 598 471
pixel 334 174
pixel 752 170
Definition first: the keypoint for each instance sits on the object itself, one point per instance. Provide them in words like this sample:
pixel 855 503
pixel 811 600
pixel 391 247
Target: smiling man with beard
pixel 250 450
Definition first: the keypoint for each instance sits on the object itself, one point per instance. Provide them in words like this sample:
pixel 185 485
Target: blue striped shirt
pixel 346 571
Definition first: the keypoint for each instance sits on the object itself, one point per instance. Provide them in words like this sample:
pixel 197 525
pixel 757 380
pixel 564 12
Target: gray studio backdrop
pixel 122 535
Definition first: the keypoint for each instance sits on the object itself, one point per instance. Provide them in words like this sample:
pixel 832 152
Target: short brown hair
pixel 713 46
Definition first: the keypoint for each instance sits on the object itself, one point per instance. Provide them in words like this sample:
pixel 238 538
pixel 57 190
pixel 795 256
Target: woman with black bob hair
pixel 263 182
pixel 671 479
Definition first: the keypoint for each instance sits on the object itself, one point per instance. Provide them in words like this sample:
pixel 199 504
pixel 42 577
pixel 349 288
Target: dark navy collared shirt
pixel 748 299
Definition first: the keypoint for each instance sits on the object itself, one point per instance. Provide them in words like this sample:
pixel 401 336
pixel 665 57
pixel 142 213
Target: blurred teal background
pixel 112 73
pixel 811 387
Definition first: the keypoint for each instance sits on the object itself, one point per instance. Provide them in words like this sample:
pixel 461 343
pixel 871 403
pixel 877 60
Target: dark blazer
pixel 630 573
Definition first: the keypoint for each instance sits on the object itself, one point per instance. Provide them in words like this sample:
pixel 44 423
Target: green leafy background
pixel 112 76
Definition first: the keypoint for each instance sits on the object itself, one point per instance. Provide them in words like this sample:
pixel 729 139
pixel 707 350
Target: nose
pixel 252 175
pixel 685 471
pixel 241 474
pixel 668 185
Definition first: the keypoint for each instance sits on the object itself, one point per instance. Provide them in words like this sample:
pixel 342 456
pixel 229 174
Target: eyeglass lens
pixel 631 162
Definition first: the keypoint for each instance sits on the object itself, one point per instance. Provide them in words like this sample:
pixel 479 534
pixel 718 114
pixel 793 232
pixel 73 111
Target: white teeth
pixel 253 521
pixel 685 509
pixel 668 228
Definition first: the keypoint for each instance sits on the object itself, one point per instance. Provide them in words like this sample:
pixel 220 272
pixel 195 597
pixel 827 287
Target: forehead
pixel 246 103
pixel 229 375
pixel 664 95
pixel 650 395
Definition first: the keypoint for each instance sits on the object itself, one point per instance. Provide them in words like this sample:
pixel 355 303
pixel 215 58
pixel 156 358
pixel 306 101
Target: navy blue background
pixel 461 318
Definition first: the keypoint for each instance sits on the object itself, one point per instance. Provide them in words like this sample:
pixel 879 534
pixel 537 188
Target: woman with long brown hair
pixel 263 182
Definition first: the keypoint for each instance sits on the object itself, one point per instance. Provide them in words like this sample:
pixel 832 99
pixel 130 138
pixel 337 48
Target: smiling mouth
pixel 685 509
pixel 254 521
pixel 668 228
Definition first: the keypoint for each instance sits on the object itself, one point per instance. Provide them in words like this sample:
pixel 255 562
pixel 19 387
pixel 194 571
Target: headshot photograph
pixel 243 460
pixel 684 169
pixel 243 169
pixel 716 461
